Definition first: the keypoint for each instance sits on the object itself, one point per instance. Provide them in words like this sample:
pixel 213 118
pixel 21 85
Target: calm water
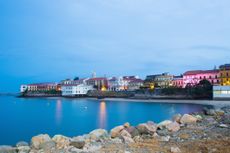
pixel 20 118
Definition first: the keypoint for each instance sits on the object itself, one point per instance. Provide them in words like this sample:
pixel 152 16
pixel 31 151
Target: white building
pixel 23 88
pixel 117 84
pixel 221 92
pixel 75 89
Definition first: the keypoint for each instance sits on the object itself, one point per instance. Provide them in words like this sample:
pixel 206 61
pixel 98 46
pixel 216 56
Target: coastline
pixel 207 131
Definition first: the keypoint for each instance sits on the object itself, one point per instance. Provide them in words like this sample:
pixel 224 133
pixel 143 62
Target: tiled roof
pixel 200 72
pixel 43 84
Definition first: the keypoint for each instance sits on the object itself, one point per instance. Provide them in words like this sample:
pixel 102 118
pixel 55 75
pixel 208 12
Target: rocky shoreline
pixel 207 131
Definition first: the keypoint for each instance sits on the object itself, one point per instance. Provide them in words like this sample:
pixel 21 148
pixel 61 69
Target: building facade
pixel 135 84
pixel 177 81
pixel 98 83
pixel 192 78
pixel 225 75
pixel 40 87
pixel 75 89
pixel 163 80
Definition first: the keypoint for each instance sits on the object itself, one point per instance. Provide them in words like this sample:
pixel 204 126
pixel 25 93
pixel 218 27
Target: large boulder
pixel 7 149
pixel 173 127
pixel 187 119
pixel 147 128
pixel 98 134
pixel 133 131
pixel 22 143
pixel 125 133
pixel 61 141
pixel 78 142
pixel 163 124
pixel 48 146
pixel 37 141
pixel 115 132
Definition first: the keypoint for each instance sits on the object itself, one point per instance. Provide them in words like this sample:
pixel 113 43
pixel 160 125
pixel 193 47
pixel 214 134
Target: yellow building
pixel 225 75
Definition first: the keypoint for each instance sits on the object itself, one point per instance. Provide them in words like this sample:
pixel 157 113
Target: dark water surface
pixel 22 118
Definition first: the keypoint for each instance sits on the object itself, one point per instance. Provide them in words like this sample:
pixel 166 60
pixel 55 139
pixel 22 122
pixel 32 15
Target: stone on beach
pixel 23 149
pixel 61 141
pixel 115 132
pixel 163 124
pixel 175 150
pixel 78 142
pixel 187 119
pixel 38 140
pixel 173 127
pixel 147 128
pixel 133 131
pixel 98 134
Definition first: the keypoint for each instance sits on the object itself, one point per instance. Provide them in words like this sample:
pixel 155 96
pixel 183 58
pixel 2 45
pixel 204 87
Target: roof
pixel 43 84
pixel 96 79
pixel 136 81
pixel 194 72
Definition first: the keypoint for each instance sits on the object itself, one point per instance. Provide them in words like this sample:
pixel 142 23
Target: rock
pixel 22 143
pixel 147 128
pixel 199 118
pixel 98 134
pixel 78 142
pixel 175 150
pixel 138 139
pixel 127 139
pixel 173 127
pixel 125 133
pixel 126 125
pixel 61 141
pixel 226 119
pixel 116 141
pixel 163 124
pixel 223 126
pixel 48 146
pixel 163 132
pixel 7 149
pixel 187 119
pixel 23 149
pixel 115 132
pixel 210 112
pixel 92 147
pixel 71 149
pixel 133 131
pixel 219 112
pixel 165 138
pixel 36 141
pixel 176 118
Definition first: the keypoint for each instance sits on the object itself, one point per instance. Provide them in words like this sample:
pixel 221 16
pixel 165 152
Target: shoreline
pixel 209 130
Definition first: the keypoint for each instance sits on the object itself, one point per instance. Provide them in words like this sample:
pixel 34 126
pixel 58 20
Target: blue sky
pixel 48 40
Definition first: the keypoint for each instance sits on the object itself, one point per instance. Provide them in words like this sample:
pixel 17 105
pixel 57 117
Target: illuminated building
pixel 192 78
pixel 40 87
pixel 163 80
pixel 75 89
pixel 225 74
pixel 177 81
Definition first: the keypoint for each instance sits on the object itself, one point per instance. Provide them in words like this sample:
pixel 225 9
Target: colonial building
pixel 135 84
pixel 159 80
pixel 98 83
pixel 117 84
pixel 40 87
pixel 124 83
pixel 177 81
pixel 194 77
pixel 69 81
pixel 225 75
pixel 75 89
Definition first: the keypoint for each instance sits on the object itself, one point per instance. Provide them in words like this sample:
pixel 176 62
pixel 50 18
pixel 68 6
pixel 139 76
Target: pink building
pixel 194 77
pixel 178 81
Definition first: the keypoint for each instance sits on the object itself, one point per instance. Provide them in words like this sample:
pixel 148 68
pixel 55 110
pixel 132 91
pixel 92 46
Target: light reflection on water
pixel 58 115
pixel 102 115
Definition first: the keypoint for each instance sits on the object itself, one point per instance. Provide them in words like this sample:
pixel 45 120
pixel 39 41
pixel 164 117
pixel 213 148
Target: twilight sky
pixel 49 40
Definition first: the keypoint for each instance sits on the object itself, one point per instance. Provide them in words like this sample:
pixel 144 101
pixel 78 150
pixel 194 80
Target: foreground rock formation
pixel 202 132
